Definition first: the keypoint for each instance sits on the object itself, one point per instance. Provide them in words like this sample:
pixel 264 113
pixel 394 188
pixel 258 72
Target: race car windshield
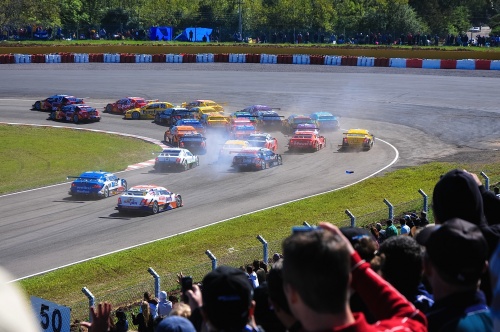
pixel 304 121
pixel 138 192
pixel 257 143
pixel 327 117
pixel 247 154
pixel 302 136
pixel 170 152
pixel 232 146
pixel 355 135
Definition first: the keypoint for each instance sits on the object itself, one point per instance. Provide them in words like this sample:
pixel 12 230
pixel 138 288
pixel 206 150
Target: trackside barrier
pixel 81 58
pixel 22 58
pixel 431 63
pixel 284 58
pixel 381 62
pixel 466 64
pixel 349 61
pixel 483 64
pixel 111 58
pixel 301 59
pixel 52 58
pixel 448 64
pixel 96 57
pixel 234 58
pixel 38 58
pixel 205 57
pixel 333 60
pixel 495 65
pixel 397 63
pixel 366 61
pixel 188 58
pixel 7 58
pixel 317 59
pixel 413 63
pixel 271 58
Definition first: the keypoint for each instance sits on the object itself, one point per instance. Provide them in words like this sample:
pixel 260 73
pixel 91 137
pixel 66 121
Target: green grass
pixel 39 156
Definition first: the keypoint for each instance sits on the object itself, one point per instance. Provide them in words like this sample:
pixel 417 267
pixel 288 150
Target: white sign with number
pixel 53 317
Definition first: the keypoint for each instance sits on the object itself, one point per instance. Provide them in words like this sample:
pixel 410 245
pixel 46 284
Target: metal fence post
pixel 213 258
pixel 91 298
pixel 487 180
pixel 353 218
pixel 157 281
pixel 426 199
pixel 265 249
pixel 391 208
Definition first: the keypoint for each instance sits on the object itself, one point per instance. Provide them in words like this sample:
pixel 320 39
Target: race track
pixel 425 114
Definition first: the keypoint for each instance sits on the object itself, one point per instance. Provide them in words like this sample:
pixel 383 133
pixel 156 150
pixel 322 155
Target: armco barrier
pixel 431 63
pixel 466 64
pixel 448 64
pixel 495 65
pixel 413 63
pixel 482 64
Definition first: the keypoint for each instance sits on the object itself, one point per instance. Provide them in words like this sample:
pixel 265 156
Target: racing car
pixel 357 138
pixel 56 102
pixel 256 158
pixel 125 104
pixel 148 198
pixel 97 184
pixel 263 140
pixel 147 111
pixel 290 125
pixel 195 142
pixel 178 158
pixel 76 113
pixel 326 120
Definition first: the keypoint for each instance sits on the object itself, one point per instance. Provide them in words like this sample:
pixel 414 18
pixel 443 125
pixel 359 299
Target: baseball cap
pixel 227 295
pixel 163 295
pixel 457 195
pixel 175 324
pixel 457 249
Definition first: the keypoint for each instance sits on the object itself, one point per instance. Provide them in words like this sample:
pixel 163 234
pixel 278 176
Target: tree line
pixel 255 17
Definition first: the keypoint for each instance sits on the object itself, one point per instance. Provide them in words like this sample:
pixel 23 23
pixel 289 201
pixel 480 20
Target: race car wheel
pixel 155 208
pixel 197 163
pixel 280 160
pixel 38 106
pixel 124 185
pixel 136 115
pixel 185 165
pixel 262 164
pixel 106 192
pixel 75 119
pixel 109 108
pixel 52 116
pixel 317 146
pixel 178 200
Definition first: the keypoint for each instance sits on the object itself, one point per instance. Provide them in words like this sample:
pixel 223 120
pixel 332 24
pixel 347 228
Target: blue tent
pixel 161 33
pixel 194 34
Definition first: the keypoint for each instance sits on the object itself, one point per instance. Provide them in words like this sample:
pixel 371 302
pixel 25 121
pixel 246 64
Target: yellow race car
pixel 203 103
pixel 148 111
pixel 357 138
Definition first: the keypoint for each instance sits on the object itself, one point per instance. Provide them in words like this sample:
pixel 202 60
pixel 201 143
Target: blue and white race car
pixel 97 184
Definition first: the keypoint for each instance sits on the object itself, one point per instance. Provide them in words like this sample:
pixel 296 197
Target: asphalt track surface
pixel 422 114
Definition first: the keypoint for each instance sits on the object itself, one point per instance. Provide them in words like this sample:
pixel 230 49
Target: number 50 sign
pixel 53 317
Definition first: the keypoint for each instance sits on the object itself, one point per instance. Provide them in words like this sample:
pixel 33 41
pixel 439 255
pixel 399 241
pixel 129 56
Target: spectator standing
pixel 390 230
pixel 225 300
pixel 496 191
pixel 144 319
pixel 252 276
pixel 164 305
pixel 278 300
pixel 181 309
pixel 153 304
pixel 405 229
pixel 381 232
pixel 456 257
pixel 399 261
pixel 320 267
pixel 121 324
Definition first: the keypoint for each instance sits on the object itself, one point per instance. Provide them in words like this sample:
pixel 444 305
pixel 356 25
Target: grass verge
pixel 38 156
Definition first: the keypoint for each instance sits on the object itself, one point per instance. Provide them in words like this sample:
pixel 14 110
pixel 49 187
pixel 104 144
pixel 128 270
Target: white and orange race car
pixel 148 198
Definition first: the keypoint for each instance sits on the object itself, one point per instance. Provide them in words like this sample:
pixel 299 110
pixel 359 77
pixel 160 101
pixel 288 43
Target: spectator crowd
pixel 405 274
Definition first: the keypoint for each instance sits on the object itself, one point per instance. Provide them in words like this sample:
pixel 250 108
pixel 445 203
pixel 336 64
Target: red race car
pixel 125 104
pixel 56 102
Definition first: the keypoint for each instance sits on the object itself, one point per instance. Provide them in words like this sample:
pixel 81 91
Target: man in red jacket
pixel 320 266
